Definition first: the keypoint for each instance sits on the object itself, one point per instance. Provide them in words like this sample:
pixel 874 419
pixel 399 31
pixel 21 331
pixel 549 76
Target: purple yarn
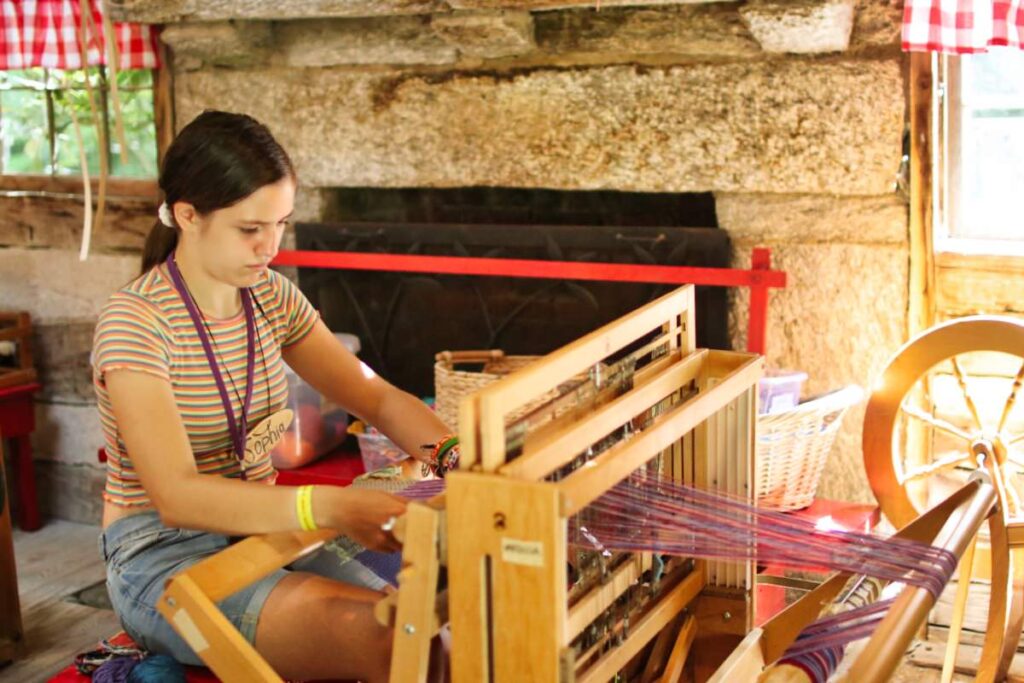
pixel 115 670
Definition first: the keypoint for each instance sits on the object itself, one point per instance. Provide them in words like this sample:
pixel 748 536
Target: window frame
pixel 23 184
pixel 949 277
pixel 953 250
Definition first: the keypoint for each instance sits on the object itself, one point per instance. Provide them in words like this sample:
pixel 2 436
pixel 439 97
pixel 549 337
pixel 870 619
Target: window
pixel 37 133
pixel 980 150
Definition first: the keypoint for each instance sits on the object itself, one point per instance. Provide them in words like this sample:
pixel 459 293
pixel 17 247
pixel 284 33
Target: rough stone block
pixel 806 26
pixel 792 126
pixel 535 5
pixel 822 219
pixel 171 11
pixel 488 35
pixel 394 40
pixel 71 492
pixel 290 272
pixel 61 349
pixel 67 433
pixel 221 43
pixel 711 30
pixel 310 205
pixel 53 284
pixel 839 319
pixel 877 23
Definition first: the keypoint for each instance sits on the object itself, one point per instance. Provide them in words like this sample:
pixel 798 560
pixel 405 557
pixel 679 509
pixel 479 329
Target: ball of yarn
pixel 115 670
pixel 157 669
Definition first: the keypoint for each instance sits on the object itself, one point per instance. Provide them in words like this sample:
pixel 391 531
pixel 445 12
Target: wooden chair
pixel 11 634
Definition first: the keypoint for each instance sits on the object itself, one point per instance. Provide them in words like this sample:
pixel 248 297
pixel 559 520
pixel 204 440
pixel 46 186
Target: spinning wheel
pixel 957 385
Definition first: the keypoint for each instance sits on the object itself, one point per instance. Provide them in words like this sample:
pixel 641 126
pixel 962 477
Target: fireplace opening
pixel 403 319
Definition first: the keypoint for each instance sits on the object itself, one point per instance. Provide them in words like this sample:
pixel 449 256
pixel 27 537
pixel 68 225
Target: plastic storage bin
pixel 378 451
pixel 319 425
pixel 779 390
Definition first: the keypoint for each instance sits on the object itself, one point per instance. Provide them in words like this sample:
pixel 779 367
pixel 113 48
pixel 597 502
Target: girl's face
pixel 236 244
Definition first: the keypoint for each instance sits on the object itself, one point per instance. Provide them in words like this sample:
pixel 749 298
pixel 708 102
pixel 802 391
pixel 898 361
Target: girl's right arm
pixel 155 438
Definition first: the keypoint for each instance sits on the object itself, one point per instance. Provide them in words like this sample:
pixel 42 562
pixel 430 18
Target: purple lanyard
pixel 237 432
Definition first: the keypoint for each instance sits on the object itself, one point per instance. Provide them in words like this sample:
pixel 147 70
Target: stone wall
pixel 41 273
pixel 791 113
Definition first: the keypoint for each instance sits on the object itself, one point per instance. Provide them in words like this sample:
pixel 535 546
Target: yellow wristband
pixel 304 507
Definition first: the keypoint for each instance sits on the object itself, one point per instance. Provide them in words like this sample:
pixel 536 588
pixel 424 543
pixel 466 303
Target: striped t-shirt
pixel 145 327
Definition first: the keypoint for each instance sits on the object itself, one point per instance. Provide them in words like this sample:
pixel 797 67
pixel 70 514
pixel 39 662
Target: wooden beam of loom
pixel 672 313
pixel 507 560
pixel 188 601
pixel 950 525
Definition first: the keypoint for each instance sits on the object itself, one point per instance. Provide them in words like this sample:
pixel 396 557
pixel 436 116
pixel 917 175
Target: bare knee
pixel 314 628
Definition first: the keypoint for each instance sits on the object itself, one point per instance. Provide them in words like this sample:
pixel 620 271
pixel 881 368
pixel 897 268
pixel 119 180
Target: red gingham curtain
pixel 47 32
pixel 962 26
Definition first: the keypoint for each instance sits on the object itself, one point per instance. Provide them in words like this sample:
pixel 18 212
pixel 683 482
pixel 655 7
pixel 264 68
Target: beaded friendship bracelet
pixel 444 456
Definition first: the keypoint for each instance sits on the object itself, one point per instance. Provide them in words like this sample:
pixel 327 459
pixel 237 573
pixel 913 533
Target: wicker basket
pixel 792 447
pixel 452 383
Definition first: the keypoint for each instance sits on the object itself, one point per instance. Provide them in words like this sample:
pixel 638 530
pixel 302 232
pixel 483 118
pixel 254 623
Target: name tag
pixel 266 435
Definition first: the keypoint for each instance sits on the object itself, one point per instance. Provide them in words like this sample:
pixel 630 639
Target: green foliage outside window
pixel 37 135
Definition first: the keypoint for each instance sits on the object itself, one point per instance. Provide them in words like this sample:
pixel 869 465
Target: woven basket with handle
pixel 792 447
pixel 453 379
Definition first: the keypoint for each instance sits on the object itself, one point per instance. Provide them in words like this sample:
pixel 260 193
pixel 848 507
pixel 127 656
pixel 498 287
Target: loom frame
pixel 505 504
pixel 698 436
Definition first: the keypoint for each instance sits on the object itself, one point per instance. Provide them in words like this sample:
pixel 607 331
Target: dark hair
pixel 217 160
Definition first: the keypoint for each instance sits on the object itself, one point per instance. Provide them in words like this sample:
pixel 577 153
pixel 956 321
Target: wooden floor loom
pixel 523 604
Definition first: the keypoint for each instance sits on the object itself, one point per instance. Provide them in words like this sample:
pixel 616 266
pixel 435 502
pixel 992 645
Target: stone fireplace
pixel 403 319
pixel 783 120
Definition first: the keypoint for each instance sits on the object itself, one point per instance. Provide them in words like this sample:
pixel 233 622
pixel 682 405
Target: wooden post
pixel 163 101
pixel 415 614
pixel 922 252
pixel 921 295
pixel 506 567
pixel 11 633
pixel 757 329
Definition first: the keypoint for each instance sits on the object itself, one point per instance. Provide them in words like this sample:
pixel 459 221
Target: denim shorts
pixel 141 554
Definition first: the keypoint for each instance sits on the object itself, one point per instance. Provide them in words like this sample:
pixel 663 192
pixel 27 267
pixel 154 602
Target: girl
pixel 188 360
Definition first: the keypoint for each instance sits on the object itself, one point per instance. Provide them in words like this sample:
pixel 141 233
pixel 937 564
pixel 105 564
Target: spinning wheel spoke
pixel 959 609
pixel 949 462
pixel 1012 398
pixel 1016 439
pixel 1012 497
pixel 938 423
pixel 961 379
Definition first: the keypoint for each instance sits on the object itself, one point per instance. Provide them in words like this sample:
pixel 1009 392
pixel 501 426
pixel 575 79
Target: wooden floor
pixel 60 560
pixel 54 563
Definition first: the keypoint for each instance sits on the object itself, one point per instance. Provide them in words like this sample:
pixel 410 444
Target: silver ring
pixel 389 524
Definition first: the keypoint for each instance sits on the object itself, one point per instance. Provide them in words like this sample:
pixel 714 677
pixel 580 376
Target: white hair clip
pixel 164 213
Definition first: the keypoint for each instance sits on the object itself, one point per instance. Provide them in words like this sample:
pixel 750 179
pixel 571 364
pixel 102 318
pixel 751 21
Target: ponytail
pixel 160 242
